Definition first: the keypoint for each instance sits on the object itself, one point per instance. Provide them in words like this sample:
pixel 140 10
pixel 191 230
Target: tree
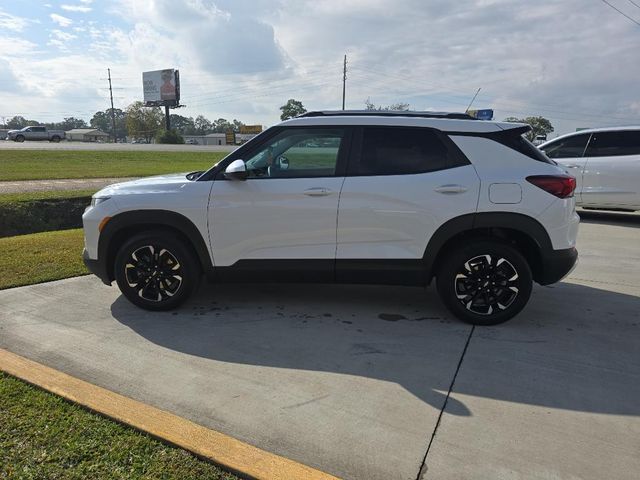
pixel 292 109
pixel 202 125
pixel 169 136
pixel 539 126
pixel 18 122
pixel 143 122
pixel 393 107
pixel 102 121
pixel 183 125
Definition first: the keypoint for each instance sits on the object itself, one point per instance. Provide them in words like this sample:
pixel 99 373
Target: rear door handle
pixel 451 189
pixel 317 192
pixel 573 166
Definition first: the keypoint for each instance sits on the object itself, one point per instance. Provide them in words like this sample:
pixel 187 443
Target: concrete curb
pixel 217 447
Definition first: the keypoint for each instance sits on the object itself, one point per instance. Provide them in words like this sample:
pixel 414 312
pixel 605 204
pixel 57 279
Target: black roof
pixel 387 113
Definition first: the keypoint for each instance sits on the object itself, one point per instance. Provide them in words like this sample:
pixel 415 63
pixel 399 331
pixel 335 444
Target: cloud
pixel 231 38
pixel 75 8
pixel 8 80
pixel 60 39
pixel 13 23
pixel 571 61
pixel 60 20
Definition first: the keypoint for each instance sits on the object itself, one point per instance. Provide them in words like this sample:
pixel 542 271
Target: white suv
pixel 350 197
pixel 606 164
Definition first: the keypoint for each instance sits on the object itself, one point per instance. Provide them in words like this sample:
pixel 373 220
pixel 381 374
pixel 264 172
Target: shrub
pixel 169 136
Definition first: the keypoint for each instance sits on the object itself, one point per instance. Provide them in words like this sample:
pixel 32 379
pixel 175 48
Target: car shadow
pixel 579 342
pixel 624 219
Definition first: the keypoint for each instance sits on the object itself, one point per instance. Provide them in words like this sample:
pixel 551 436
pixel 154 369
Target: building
pixel 87 135
pixel 210 139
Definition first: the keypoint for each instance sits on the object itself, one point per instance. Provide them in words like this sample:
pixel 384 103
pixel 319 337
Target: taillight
pixel 562 186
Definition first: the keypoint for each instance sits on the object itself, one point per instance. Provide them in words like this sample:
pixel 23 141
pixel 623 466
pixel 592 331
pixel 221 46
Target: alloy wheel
pixel 154 272
pixel 487 284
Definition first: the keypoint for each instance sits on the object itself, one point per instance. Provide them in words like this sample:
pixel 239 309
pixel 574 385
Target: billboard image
pixel 161 87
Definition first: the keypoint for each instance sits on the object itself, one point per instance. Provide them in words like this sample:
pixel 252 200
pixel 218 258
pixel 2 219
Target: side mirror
pixel 236 170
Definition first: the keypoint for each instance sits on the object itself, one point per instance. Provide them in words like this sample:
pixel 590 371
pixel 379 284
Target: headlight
pixel 95 201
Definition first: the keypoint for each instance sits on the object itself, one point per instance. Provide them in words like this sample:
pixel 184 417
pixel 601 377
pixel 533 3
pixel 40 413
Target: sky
pixel 576 62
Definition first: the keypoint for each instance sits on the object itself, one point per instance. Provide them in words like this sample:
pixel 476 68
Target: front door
pixel 287 208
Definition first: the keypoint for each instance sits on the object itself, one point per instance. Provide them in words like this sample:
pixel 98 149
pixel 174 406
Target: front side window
pixel 570 147
pixel 298 152
pixel 613 144
pixel 401 151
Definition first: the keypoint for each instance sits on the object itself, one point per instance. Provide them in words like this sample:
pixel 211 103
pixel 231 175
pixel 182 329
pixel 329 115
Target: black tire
pixel 55 139
pixel 20 138
pixel 484 282
pixel 156 270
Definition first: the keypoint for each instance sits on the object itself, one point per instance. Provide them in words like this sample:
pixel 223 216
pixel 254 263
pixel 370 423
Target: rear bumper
pixel 96 267
pixel 557 264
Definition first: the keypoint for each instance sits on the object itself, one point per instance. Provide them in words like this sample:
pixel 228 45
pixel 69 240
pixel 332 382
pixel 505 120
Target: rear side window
pixel 570 147
pixel 401 151
pixel 613 144
pixel 513 139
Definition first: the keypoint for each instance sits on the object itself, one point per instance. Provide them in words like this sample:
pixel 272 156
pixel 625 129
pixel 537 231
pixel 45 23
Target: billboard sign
pixel 161 87
pixel 251 129
pixel 485 114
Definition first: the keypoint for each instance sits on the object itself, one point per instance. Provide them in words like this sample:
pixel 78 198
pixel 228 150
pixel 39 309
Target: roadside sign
pixel 230 138
pixel 251 129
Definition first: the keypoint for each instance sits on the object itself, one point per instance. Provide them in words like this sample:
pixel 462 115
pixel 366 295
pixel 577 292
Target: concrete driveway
pixel 356 381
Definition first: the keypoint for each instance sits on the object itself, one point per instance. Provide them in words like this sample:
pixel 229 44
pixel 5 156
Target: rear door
pixel 612 172
pixel 568 152
pixel 402 184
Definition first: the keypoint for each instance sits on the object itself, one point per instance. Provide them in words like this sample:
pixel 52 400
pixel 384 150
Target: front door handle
pixel 317 192
pixel 451 189
pixel 573 166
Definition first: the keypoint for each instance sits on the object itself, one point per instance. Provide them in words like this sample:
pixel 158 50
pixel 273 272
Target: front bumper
pixel 96 267
pixel 557 264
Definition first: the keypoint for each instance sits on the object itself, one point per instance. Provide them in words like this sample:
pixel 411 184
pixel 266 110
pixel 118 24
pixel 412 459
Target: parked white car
pixel 351 197
pixel 606 164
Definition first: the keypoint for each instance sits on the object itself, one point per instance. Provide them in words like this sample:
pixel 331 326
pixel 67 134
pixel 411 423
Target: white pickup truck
pixel 35 133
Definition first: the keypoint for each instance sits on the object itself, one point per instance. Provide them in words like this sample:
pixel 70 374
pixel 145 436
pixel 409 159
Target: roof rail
pixel 387 113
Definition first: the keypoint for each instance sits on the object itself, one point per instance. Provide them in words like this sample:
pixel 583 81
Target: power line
pixel 634 3
pixel 621 12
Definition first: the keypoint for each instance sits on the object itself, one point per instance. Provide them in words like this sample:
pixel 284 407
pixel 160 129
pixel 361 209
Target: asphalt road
pixel 364 382
pixel 152 147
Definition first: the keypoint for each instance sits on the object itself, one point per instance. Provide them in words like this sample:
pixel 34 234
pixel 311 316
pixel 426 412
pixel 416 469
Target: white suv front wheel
pixel 484 282
pixel 156 271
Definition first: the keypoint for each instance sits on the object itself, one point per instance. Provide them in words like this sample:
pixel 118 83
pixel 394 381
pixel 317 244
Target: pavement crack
pixel 423 467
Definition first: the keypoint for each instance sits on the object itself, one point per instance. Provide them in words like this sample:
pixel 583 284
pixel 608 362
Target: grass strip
pixel 44 436
pixel 6 198
pixel 57 164
pixel 41 257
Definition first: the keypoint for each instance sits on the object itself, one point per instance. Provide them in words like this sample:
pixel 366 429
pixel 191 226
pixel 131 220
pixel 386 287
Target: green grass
pixel 50 195
pixel 53 164
pixel 42 436
pixel 40 257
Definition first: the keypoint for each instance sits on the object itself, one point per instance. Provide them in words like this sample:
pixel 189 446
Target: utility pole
pixel 344 80
pixel 113 113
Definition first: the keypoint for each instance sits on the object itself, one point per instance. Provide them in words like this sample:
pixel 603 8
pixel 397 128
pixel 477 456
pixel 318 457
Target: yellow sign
pixel 230 138
pixel 251 129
